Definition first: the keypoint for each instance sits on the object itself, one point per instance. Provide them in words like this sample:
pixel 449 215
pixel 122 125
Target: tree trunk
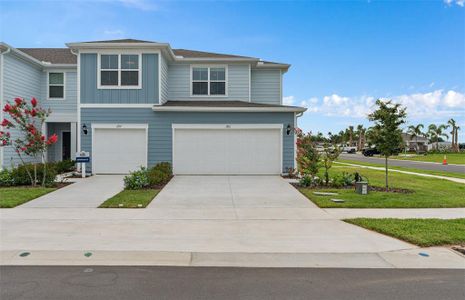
pixel 386 164
pixel 45 170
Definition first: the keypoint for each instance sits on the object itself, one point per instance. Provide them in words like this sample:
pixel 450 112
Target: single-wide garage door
pixel 227 150
pixel 118 150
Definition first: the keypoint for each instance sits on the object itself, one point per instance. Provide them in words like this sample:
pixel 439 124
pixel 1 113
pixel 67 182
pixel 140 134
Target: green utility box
pixel 361 187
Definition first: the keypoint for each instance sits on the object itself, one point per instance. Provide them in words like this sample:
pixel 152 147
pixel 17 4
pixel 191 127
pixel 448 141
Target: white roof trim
pixel 228 109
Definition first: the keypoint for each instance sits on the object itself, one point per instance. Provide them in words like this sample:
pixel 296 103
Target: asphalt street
pixel 71 282
pixel 405 163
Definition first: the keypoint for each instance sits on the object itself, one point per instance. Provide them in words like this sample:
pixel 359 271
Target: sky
pixel 344 54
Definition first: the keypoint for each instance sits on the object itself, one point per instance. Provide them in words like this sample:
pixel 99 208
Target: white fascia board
pixel 227 126
pixel 60 66
pixel 227 109
pixel 118 126
pixel 116 105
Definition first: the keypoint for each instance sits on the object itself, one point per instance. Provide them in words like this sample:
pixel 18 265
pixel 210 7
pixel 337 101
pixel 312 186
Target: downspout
pixel 2 63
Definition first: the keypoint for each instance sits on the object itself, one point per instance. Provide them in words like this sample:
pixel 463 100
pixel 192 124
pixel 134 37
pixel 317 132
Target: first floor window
pixel 209 81
pixel 56 85
pixel 119 70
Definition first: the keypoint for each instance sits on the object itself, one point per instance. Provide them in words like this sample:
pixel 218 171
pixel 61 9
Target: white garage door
pixel 119 150
pixel 237 149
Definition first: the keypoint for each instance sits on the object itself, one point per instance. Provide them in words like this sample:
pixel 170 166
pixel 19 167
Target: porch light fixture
pixel 288 129
pixel 84 128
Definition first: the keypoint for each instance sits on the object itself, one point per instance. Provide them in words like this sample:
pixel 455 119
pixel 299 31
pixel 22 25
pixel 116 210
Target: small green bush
pixel 21 177
pixel 342 179
pixel 137 180
pixel 6 178
pixel 158 177
pixel 65 166
pixel 164 167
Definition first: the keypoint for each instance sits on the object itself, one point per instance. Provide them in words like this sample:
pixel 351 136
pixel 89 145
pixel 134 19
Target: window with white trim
pixel 56 85
pixel 209 81
pixel 119 70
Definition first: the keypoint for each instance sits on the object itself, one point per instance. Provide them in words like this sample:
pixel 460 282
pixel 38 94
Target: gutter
pixel 158 108
pixel 8 50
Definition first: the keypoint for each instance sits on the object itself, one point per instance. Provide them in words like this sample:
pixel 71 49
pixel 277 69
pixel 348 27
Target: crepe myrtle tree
pixel 307 156
pixel 27 118
pixel 388 118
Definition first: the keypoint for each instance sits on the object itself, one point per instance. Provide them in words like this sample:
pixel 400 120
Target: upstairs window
pixel 209 81
pixel 56 85
pixel 119 71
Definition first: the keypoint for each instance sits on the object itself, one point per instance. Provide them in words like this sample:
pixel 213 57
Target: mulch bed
pixel 460 249
pixel 58 185
pixel 370 188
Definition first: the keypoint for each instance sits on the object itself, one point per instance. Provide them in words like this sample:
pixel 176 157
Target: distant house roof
pixel 408 138
pixel 51 55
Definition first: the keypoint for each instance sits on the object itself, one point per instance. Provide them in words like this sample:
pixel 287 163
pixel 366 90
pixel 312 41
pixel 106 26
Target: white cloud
pixel 458 2
pixel 115 33
pixel 288 100
pixel 437 103
pixel 140 4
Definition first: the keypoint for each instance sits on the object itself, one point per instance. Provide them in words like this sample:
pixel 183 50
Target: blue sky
pixel 344 54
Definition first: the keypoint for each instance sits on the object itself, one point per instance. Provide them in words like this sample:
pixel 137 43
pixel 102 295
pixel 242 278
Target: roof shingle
pixel 51 55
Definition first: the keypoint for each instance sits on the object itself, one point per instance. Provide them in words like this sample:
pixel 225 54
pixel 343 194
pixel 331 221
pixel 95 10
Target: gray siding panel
pixel 164 80
pixel 160 127
pixel 146 95
pixel 266 86
pixel 21 79
pixel 179 83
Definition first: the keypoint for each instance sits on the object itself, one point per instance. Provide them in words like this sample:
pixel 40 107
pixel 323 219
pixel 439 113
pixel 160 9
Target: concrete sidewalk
pixel 401 213
pixel 88 192
pixel 458 180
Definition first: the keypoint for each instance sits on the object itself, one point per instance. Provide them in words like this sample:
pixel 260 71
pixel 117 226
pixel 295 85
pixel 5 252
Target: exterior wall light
pixel 288 129
pixel 84 129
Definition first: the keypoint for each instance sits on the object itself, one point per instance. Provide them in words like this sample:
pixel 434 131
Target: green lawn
pixel 131 199
pixel 440 173
pixel 452 158
pixel 427 192
pixel 422 232
pixel 14 196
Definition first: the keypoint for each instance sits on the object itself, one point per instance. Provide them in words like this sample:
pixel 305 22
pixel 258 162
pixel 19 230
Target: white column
pixel 74 133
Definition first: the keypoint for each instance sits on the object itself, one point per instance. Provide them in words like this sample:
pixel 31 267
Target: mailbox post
pixel 83 158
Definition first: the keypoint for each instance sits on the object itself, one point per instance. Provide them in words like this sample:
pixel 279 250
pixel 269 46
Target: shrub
pixel 64 166
pixel 21 177
pixel 164 167
pixel 308 180
pixel 6 178
pixel 342 179
pixel 137 179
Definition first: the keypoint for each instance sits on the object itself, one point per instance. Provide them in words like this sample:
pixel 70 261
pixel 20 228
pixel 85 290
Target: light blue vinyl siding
pixel 68 106
pixel 21 79
pixel 179 83
pixel 164 79
pixel 147 94
pixel 160 127
pixel 266 86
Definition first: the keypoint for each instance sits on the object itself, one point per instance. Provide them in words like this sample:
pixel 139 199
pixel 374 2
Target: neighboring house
pixel 442 146
pixel 419 143
pixel 134 103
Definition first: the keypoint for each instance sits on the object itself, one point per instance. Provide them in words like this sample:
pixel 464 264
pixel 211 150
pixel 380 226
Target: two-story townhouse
pixel 135 103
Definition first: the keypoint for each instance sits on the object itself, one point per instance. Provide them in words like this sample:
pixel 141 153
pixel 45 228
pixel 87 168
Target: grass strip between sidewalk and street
pixel 430 172
pixel 131 199
pixel 425 192
pixel 13 196
pixel 421 232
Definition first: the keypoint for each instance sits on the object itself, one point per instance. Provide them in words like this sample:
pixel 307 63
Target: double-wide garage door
pixel 227 149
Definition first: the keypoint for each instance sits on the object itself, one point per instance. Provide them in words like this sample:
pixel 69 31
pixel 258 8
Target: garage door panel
pixel 119 151
pixel 227 151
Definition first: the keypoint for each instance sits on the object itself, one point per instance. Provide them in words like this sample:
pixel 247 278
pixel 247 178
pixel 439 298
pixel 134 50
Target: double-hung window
pixel 120 71
pixel 209 81
pixel 56 85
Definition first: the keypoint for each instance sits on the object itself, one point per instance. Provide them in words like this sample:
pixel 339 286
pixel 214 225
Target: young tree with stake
pixel 388 118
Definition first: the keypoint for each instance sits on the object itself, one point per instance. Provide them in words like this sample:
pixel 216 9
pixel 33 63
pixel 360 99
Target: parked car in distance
pixel 370 151
pixel 349 149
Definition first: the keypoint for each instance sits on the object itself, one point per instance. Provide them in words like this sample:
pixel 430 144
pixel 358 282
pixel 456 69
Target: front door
pixel 66 145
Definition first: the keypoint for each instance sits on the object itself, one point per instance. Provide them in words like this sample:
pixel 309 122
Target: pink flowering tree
pixel 27 117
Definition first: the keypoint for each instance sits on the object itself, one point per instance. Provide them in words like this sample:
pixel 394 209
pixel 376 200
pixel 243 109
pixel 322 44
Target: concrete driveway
pixel 88 192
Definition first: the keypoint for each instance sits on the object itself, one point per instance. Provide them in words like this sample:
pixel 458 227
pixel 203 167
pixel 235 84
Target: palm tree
pixel 350 131
pixel 454 134
pixel 436 132
pixel 361 137
pixel 415 132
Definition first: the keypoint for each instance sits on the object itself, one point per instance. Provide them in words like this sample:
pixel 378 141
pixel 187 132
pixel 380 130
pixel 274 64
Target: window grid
pixel 120 71
pixel 208 80
pixel 56 85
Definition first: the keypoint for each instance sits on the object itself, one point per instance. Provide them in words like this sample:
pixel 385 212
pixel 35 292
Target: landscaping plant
pixel 308 158
pixel 388 118
pixel 27 118
pixel 329 155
